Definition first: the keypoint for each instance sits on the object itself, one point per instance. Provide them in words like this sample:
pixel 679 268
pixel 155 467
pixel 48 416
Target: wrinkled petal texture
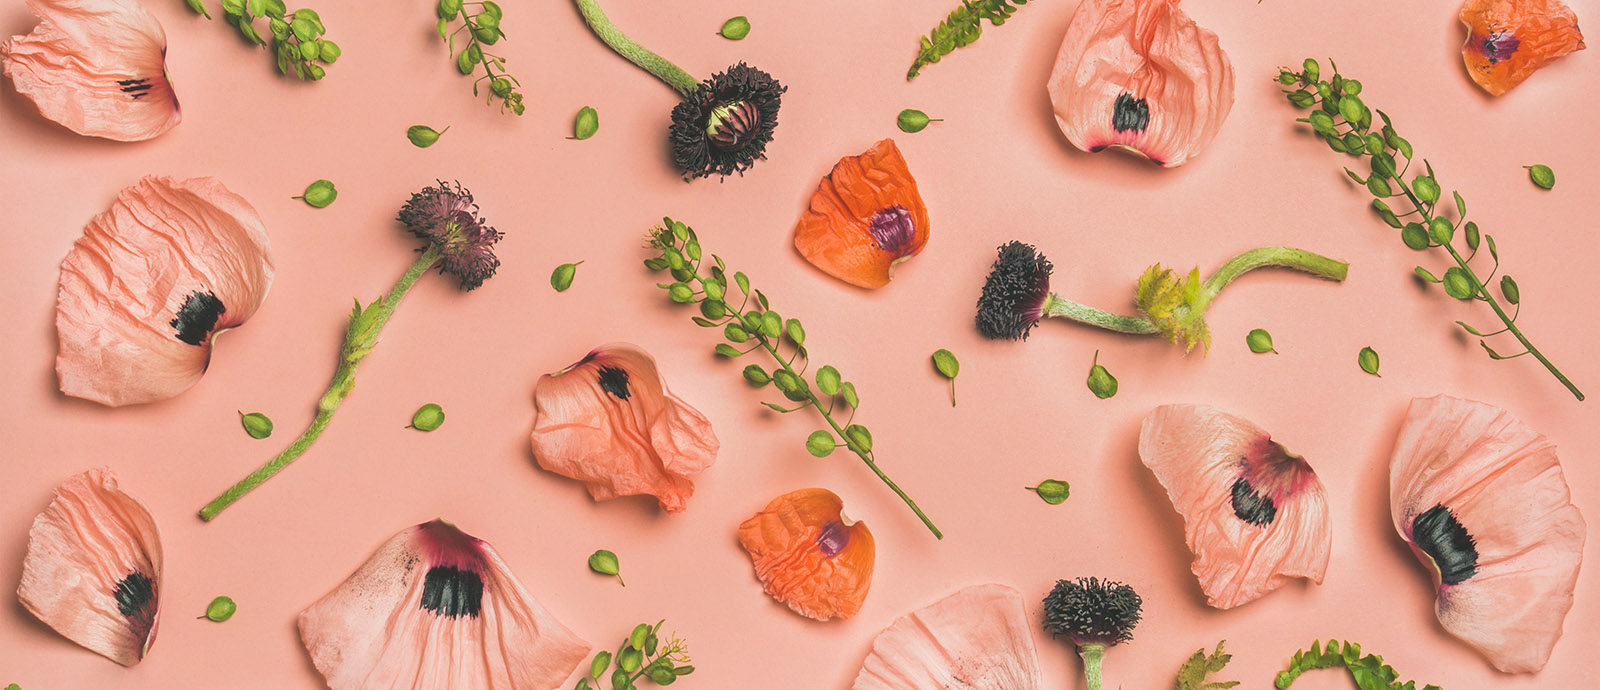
pixel 975 639
pixel 1509 40
pixel 610 422
pixel 436 608
pixel 96 66
pixel 151 282
pixel 865 217
pixel 1140 74
pixel 1254 516
pixel 93 569
pixel 808 556
pixel 1482 500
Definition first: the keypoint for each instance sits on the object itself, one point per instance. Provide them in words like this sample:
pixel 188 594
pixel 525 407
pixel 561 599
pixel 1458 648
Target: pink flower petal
pixel 1255 515
pixel 1482 500
pixel 437 608
pixel 976 639
pixel 610 422
pixel 151 283
pixel 96 66
pixel 93 569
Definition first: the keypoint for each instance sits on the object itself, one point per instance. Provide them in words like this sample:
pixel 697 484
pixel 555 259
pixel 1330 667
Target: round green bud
pixel 1259 341
pixel 492 9
pixel 449 8
pixel 486 36
pixel 1457 284
pixel 1351 87
pixel 501 86
pixel 423 136
pixel 255 424
pixel 328 51
pixel 1378 186
pixel 663 676
pixel 1367 359
pixel 1425 188
pixel 428 417
pixel 713 308
pixel 756 375
pixel 913 121
pixel 1440 230
pixel 1311 69
pixel 605 563
pixel 829 380
pixel 220 609
pixel 636 639
pixel 860 438
pixel 585 124
pixel 1100 381
pixel 736 333
pixel 488 20
pixel 735 29
pixel 1542 176
pixel 681 293
pixel 1302 99
pixel 712 288
pixel 1415 236
pixel 602 661
pixel 1508 287
pixel 1052 491
pixel 1286 77
pixel 308 50
pixel 561 278
pixel 319 194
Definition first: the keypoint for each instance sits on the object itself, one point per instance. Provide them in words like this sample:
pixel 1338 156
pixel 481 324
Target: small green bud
pixel 468 58
pixel 1302 99
pixel 1260 341
pixel 1541 175
pixel 428 417
pixel 256 424
pixel 796 332
pixel 423 136
pixel 1368 360
pixel 712 288
pixel 605 563
pixel 860 438
pixel 585 124
pixel 220 609
pixel 756 375
pixel 726 350
pixel 1440 230
pixel 1285 77
pixel 1053 491
pixel 328 51
pixel 1415 236
pixel 1101 382
pixel 736 333
pixel 913 121
pixel 1457 284
pixel 946 363
pixel 561 278
pixel 1378 186
pixel 828 380
pixel 1471 232
pixel 486 35
pixel 820 443
pixel 681 293
pixel 1311 70
pixel 630 659
pixel 319 194
pixel 1425 188
pixel 1508 287
pixel 735 29
pixel 848 392
pixel 786 381
pixel 501 86
pixel 199 7
pixel 449 8
pixel 602 661
pixel 1351 87
pixel 308 50
pixel 636 639
pixel 487 20
pixel 1425 274
pixel 1351 108
pixel 491 8
pixel 713 308
pixel 662 676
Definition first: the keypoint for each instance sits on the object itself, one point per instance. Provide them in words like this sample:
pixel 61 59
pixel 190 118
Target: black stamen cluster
pixel 692 147
pixel 1092 611
pixel 1013 296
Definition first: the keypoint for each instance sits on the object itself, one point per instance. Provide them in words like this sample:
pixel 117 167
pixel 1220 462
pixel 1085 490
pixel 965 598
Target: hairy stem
pixel 1058 306
pixel 1093 655
pixel 639 55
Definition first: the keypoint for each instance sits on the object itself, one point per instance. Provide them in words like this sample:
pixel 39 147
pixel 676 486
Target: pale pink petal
pixel 96 66
pixel 437 608
pixel 1255 515
pixel 1482 500
pixel 93 569
pixel 975 639
pixel 610 422
pixel 151 283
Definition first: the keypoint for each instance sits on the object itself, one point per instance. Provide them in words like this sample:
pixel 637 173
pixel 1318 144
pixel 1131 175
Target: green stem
pixel 343 382
pixel 1093 655
pixel 639 55
pixel 1056 305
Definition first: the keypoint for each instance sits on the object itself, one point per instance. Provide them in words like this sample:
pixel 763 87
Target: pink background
pixel 995 170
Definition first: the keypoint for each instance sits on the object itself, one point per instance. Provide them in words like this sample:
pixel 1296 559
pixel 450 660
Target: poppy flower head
pixel 448 219
pixel 1092 611
pixel 724 126
pixel 977 638
pixel 809 556
pixel 865 217
pixel 1509 40
pixel 1015 293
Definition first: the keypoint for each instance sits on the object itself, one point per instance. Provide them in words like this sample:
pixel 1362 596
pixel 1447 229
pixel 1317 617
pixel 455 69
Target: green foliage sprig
pixel 296 39
pixel 1340 118
pixel 753 325
pixel 482 29
pixel 1192 676
pixel 1369 672
pixel 643 656
pixel 963 26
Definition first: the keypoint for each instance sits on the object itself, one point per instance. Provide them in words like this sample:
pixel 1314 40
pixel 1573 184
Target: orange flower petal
pixel 1482 500
pixel 151 283
pixel 1509 40
pixel 809 556
pixel 93 569
pixel 1255 515
pixel 96 66
pixel 1140 74
pixel 865 217
pixel 976 639
pixel 437 608
pixel 610 422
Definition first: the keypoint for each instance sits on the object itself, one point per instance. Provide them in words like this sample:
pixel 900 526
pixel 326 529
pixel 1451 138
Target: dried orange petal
pixel 865 217
pixel 1509 40
pixel 809 556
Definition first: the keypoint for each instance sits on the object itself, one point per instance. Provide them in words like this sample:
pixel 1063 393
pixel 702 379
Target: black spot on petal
pixel 197 317
pixel 451 592
pixel 1130 113
pixel 134 593
pixel 1251 506
pixel 1440 535
pixel 614 381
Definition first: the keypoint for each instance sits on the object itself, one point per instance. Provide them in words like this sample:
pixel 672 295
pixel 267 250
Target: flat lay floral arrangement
pixel 991 344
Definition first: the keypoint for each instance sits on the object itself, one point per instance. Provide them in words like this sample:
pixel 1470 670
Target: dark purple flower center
pixel 1499 45
pixel 614 381
pixel 135 88
pixel 731 125
pixel 452 592
pixel 1250 506
pixel 1440 535
pixel 197 317
pixel 834 537
pixel 892 230
pixel 1129 113
pixel 136 601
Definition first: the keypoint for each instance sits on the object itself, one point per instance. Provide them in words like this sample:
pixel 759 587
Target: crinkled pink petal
pixel 1482 500
pixel 975 639
pixel 1140 74
pixel 93 569
pixel 1255 515
pixel 437 608
pixel 96 66
pixel 151 283
pixel 610 422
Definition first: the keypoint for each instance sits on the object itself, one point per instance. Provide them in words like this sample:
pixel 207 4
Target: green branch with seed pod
pixel 296 42
pixel 754 325
pixel 482 29
pixel 643 656
pixel 1340 118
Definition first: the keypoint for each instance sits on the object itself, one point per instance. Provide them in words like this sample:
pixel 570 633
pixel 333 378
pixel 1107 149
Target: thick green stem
pixel 1093 655
pixel 1056 305
pixel 639 55
pixel 356 347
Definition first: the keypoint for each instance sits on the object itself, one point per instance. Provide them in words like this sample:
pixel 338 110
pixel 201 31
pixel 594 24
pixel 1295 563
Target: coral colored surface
pixel 995 170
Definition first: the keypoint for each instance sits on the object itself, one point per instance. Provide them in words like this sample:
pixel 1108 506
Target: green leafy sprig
pixel 1369 672
pixel 643 656
pixel 753 325
pixel 482 28
pixel 1192 676
pixel 963 26
pixel 1340 118
pixel 296 37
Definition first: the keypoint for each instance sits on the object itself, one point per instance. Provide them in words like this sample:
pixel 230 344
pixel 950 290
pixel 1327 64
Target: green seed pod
pixel 315 72
pixel 1457 284
pixel 1425 274
pixel 771 324
pixel 1053 491
pixel 829 380
pixel 636 640
pixel 1471 232
pixel 468 58
pixel 440 28
pixel 1415 236
pixel 561 278
pixel 1311 70
pixel 423 136
pixel 488 20
pixel 1323 123
pixel 683 670
pixel 256 424
pixel 1285 77
pixel 1542 175
pixel 1508 287
pixel 946 363
pixel 1259 341
pixel 428 417
pixel 449 8
pixel 662 676
pixel 820 443
pixel 220 609
pixel 630 659
pixel 1368 360
pixel 606 563
pixel 735 29
pixel 1440 230
pixel 713 289
pixel 308 50
pixel 681 293
pixel 328 51
pixel 713 308
pixel 1302 99
pixel 585 124
pixel 1351 87
pixel 736 333
pixel 1374 144
pixel 303 29
pixel 1101 382
pixel 1425 188
pixel 800 390
pixel 493 9
pixel 1383 164
pixel 501 86
pixel 1354 143
pixel 848 392
pixel 319 194
pixel 756 375
pixel 602 661
pixel 913 121
pixel 860 437
pixel 796 332
pixel 726 350
pixel 1351 108
pixel 486 36
pixel 786 381
pixel 1378 186
pixel 620 680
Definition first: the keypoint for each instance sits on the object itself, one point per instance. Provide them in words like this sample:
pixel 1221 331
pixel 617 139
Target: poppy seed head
pixel 723 127
pixel 1092 611
pixel 1014 295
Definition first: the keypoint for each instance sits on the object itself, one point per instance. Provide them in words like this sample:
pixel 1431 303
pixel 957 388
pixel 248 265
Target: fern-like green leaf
pixel 962 27
pixel 1369 672
pixel 1193 674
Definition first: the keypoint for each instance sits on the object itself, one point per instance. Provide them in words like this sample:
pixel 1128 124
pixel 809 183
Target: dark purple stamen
pixel 197 317
pixel 134 87
pixel 452 592
pixel 1251 506
pixel 614 381
pixel 1129 113
pixel 1499 46
pixel 835 536
pixel 1453 550
pixel 892 230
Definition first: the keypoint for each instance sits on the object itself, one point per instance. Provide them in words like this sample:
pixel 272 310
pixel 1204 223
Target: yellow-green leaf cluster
pixel 1194 672
pixel 1173 305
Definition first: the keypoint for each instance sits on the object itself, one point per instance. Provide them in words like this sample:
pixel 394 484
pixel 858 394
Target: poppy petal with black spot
pixel 865 217
pixel 975 639
pixel 1255 515
pixel 1141 75
pixel 96 66
pixel 437 608
pixel 1509 40
pixel 93 569
pixel 809 556
pixel 610 422
pixel 1482 500
pixel 151 283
